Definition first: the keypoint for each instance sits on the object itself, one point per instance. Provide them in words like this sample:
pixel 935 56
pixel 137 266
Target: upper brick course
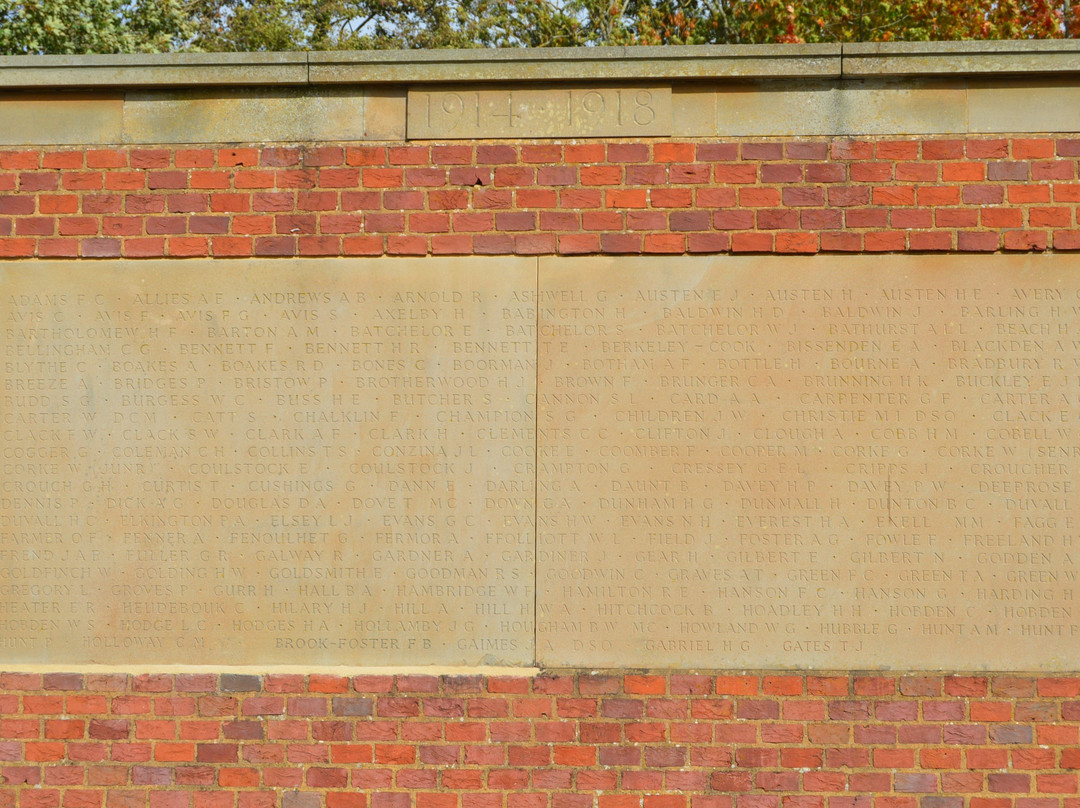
pixel 768 196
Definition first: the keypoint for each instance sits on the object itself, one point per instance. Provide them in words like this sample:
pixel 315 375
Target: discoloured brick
pixel 240 683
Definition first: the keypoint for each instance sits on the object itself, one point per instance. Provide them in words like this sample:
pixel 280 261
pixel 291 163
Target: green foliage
pixel 243 25
pixel 763 21
pixel 93 26
pixel 122 26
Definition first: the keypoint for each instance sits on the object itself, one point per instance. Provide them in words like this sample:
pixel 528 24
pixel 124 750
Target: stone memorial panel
pixel 827 462
pixel 527 111
pixel 299 461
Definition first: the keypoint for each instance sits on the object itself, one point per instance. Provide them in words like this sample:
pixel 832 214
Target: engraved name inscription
pixel 528 112
pixel 233 464
pixel 821 462
pixel 825 463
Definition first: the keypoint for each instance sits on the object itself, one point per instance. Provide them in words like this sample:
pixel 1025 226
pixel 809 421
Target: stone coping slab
pixel 153 70
pixel 971 58
pixel 540 64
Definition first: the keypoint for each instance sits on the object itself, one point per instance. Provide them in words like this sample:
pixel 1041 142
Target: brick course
pixel 672 740
pixel 662 197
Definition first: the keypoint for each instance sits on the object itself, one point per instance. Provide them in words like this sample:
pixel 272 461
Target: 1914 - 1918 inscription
pixel 763 462
pixel 635 111
pixel 233 464
pixel 809 463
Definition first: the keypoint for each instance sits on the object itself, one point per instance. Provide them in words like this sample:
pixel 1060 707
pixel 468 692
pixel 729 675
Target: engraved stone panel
pixel 847 107
pixel 60 118
pixel 1033 106
pixel 161 116
pixel 827 462
pixel 305 461
pixel 503 112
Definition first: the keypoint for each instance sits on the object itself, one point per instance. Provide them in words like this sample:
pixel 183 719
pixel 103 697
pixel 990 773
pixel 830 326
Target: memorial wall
pixel 657 427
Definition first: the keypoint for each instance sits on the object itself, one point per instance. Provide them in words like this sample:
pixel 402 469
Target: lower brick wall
pixel 558 740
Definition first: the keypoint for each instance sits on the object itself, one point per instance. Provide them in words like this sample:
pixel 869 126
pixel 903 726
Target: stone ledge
pixel 961 58
pixel 118 71
pixel 679 63
pixel 577 64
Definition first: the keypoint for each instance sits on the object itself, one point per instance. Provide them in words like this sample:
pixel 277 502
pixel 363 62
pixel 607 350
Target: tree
pixel 759 21
pixel 363 24
pixel 342 24
pixel 98 26
pixel 93 26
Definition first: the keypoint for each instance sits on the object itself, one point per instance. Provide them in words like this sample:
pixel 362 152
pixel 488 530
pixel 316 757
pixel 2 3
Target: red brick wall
pixel 783 196
pixel 574 741
pixel 553 741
